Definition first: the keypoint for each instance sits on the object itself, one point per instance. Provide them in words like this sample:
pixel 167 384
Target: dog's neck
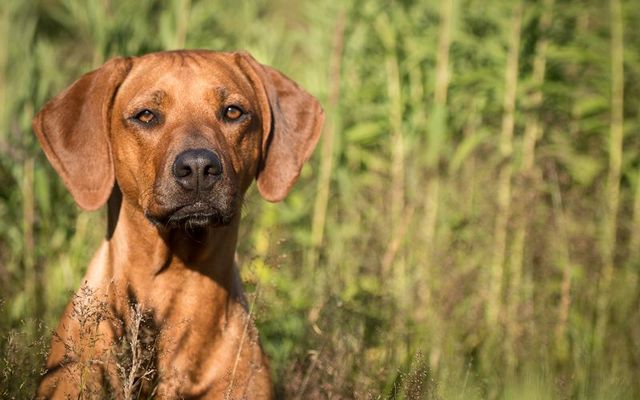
pixel 209 252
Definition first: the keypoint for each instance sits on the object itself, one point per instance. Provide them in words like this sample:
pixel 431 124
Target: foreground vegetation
pixel 469 226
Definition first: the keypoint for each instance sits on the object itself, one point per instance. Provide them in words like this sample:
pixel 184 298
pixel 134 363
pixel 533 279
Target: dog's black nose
pixel 197 169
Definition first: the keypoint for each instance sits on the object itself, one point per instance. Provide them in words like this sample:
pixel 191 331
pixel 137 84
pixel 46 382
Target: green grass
pixel 416 258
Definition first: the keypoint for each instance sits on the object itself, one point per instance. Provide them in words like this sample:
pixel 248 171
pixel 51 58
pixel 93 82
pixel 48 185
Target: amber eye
pixel 145 116
pixel 232 113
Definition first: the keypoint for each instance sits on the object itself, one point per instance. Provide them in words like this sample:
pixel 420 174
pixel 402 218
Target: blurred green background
pixel 468 227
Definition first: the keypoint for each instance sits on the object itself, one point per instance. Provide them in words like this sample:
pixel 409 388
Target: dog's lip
pixel 199 207
pixel 198 214
pixel 197 220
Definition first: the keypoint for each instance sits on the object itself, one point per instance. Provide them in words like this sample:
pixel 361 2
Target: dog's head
pixel 183 134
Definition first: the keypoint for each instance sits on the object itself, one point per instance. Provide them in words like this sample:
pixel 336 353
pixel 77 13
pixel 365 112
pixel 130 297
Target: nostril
pixel 182 171
pixel 214 167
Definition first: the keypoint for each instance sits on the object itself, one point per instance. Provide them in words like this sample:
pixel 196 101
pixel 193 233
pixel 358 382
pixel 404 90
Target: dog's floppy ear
pixel 73 129
pixel 292 120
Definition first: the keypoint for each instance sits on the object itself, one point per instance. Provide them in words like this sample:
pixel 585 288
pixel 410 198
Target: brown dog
pixel 172 140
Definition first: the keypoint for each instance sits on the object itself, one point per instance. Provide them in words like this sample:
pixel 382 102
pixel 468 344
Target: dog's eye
pixel 232 113
pixel 145 116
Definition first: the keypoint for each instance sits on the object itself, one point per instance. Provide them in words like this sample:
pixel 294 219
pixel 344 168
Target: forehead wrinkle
pixel 221 93
pixel 193 57
pixel 240 81
pixel 224 72
pixel 183 58
pixel 158 97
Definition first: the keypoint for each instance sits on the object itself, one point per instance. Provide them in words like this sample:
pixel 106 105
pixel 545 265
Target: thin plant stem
pixel 527 187
pixel 494 305
pixel 610 221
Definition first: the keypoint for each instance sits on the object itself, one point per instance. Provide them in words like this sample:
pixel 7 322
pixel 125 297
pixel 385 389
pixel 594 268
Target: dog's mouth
pixel 191 217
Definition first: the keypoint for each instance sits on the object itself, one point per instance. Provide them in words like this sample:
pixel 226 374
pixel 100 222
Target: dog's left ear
pixel 292 120
pixel 73 130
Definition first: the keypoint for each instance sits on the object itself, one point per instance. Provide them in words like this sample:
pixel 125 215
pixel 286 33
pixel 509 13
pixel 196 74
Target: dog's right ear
pixel 73 129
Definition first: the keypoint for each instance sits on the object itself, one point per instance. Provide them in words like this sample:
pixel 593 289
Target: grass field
pixel 468 227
